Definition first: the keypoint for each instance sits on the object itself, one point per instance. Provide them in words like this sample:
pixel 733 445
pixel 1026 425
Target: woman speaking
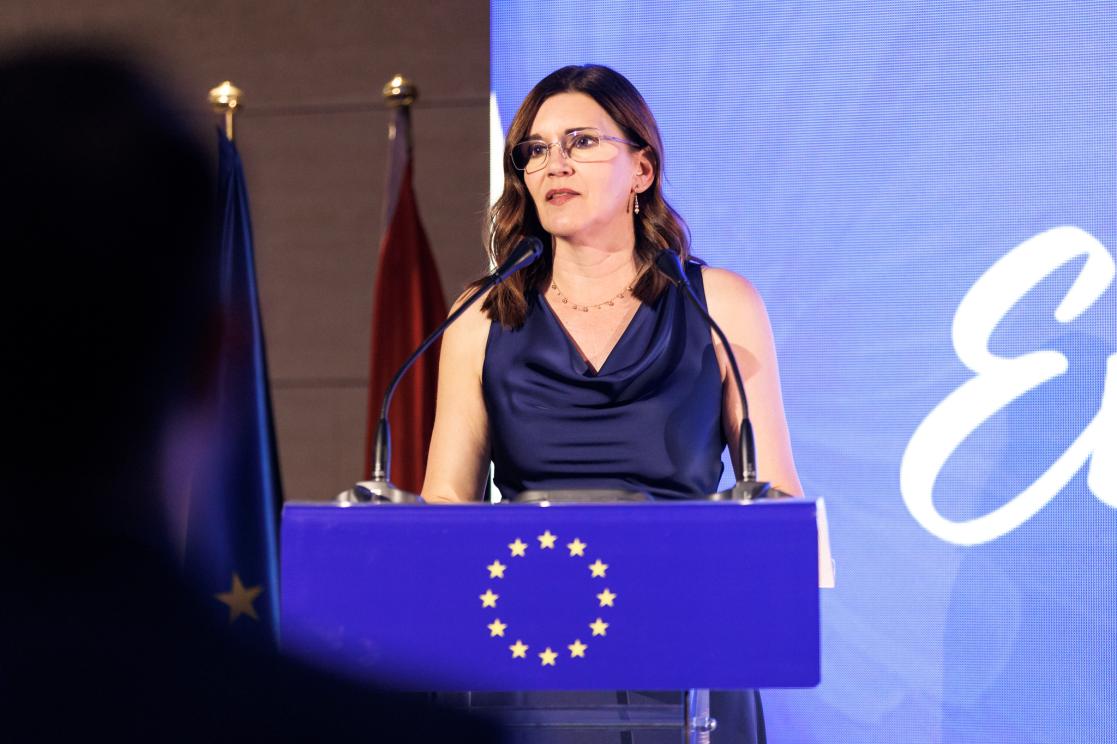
pixel 590 369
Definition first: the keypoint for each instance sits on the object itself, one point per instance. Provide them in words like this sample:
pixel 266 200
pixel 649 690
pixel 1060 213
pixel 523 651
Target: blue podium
pixel 653 596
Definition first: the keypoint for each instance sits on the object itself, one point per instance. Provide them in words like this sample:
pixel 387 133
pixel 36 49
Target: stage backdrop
pixel 925 194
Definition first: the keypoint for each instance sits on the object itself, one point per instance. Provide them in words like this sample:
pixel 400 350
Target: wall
pixel 313 136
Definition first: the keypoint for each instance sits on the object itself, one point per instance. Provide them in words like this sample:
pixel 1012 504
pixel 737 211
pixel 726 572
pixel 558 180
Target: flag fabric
pixel 660 596
pixel 407 305
pixel 231 551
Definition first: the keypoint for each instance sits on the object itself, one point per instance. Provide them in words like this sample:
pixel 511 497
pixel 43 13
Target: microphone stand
pixel 747 487
pixel 380 489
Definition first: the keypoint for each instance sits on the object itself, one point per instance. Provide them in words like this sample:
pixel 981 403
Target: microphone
pixel 748 488
pixel 380 488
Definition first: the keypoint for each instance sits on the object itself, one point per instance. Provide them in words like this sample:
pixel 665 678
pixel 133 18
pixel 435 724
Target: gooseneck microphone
pixel 380 488
pixel 748 488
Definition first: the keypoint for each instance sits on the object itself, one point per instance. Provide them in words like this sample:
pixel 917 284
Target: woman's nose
pixel 557 159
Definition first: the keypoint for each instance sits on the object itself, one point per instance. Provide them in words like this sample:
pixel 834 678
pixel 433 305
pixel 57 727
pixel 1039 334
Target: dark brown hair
pixel 513 216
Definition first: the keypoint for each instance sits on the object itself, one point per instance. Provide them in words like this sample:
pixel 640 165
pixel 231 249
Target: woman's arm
pixel 737 307
pixel 457 463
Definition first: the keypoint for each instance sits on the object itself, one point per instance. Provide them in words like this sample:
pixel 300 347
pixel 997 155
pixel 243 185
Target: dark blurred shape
pixel 108 291
pixel 110 312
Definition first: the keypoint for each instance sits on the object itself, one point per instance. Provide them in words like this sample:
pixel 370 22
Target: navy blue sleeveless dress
pixel 648 420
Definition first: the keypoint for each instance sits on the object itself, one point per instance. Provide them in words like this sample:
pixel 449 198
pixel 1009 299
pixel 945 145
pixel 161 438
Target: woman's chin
pixel 562 228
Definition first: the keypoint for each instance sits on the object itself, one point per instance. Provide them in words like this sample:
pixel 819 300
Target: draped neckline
pixel 572 346
pixel 648 419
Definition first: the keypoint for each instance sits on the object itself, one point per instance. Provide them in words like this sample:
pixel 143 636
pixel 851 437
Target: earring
pixel 635 203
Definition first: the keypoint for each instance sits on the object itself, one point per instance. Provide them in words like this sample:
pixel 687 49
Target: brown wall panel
pixel 317 427
pixel 451 176
pixel 287 53
pixel 316 215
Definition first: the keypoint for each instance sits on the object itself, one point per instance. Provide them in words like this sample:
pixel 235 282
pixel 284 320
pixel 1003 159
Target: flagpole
pixel 226 98
pixel 399 93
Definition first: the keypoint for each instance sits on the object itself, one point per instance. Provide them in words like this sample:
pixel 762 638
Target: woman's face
pixel 585 202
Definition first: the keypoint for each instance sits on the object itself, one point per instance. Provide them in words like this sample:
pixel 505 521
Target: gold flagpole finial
pixel 399 91
pixel 226 98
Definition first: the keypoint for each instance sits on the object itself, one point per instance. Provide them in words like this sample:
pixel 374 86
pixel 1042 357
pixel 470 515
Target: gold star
pixel 488 599
pixel 606 598
pixel 548 656
pixel 597 569
pixel 519 649
pixel 518 548
pixel 239 599
pixel 547 540
pixel 496 570
pixel 577 548
pixel 598 626
pixel 577 650
pixel 496 628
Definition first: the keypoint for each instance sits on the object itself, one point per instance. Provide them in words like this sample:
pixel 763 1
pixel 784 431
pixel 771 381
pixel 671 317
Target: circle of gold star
pixel 576 548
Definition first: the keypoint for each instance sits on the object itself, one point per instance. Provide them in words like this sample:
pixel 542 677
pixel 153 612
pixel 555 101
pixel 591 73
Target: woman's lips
pixel 560 196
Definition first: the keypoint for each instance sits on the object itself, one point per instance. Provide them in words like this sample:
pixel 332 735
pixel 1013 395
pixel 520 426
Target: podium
pixel 657 596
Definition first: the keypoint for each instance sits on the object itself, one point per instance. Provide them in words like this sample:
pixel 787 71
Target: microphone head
pixel 668 262
pixel 528 250
pixel 524 254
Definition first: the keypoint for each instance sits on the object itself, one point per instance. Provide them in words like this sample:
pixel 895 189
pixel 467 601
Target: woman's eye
pixel 584 141
pixel 536 150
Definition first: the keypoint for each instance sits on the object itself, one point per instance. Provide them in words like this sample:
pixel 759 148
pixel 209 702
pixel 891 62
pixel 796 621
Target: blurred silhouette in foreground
pixel 110 323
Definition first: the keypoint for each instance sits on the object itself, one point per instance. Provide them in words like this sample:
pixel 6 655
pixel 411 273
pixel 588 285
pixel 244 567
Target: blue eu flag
pixel 231 550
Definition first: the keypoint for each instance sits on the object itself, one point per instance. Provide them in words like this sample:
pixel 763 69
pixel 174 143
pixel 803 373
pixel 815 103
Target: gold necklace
pixel 609 302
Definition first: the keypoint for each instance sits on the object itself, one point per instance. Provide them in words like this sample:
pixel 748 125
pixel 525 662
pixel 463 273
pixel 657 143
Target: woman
pixel 589 369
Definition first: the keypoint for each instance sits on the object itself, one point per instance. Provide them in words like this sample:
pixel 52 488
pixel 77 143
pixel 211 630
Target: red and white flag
pixel 407 305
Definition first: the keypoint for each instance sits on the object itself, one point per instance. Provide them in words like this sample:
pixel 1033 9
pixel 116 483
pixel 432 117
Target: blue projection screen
pixel 925 194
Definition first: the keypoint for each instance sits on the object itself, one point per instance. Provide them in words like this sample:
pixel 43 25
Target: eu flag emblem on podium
pixel 578 620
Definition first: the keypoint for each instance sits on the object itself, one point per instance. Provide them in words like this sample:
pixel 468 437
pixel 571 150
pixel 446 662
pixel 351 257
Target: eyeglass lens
pixel 583 146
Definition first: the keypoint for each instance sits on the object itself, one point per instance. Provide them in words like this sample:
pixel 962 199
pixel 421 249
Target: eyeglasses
pixel 581 145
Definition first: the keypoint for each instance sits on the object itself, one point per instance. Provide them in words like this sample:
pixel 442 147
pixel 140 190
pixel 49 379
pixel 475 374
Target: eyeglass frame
pixel 566 152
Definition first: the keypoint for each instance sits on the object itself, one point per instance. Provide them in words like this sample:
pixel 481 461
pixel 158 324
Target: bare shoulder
pixel 465 340
pixel 730 295
pixel 474 316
